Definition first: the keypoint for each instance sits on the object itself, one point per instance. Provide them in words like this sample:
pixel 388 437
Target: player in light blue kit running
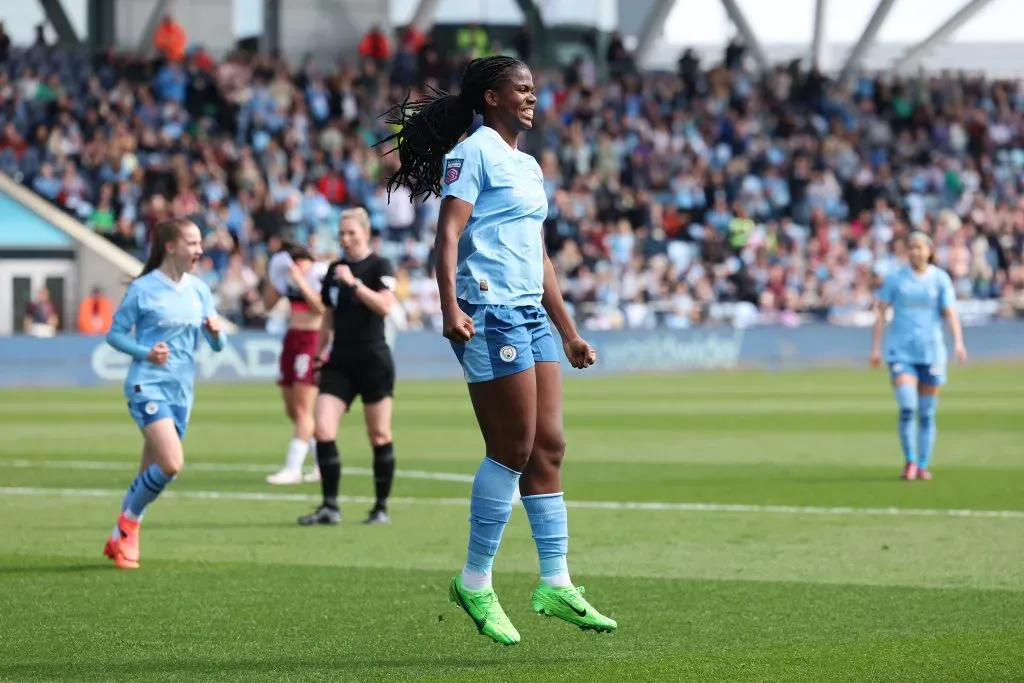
pixel 497 288
pixel 167 308
pixel 921 296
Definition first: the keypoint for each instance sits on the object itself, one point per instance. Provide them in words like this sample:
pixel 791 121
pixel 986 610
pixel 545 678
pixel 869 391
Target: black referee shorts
pixel 368 373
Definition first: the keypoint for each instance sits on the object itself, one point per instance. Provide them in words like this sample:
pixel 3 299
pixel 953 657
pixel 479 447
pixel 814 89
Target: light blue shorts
pixel 147 412
pixel 931 375
pixel 508 339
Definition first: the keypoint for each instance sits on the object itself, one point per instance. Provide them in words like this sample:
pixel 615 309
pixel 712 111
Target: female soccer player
pixel 167 307
pixel 497 288
pixel 921 295
pixel 296 378
pixel 358 292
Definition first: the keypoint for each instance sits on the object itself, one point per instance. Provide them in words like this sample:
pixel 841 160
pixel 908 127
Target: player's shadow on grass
pixel 283 667
pixel 858 479
pixel 200 526
pixel 55 568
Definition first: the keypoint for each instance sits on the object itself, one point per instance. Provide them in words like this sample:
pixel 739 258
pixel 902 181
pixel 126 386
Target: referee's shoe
pixel 322 515
pixel 378 515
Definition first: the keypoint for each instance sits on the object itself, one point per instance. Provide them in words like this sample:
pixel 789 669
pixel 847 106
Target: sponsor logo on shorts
pixel 508 353
pixel 151 408
pixel 896 367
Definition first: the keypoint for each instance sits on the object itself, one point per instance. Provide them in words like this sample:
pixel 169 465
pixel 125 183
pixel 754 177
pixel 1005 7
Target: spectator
pixel 95 313
pixel 713 196
pixel 41 319
pixel 170 39
pixel 375 46
pixel 5 44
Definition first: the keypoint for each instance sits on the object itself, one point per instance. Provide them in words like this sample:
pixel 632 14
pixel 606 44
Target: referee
pixel 358 292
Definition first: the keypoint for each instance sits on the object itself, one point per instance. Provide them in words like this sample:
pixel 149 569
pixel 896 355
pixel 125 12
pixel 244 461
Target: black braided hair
pixel 431 126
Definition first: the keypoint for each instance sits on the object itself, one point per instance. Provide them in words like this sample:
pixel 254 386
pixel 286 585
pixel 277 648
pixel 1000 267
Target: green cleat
pixel 485 611
pixel 568 604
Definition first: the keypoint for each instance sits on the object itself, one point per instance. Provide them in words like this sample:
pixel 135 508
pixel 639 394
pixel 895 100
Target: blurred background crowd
pixel 706 196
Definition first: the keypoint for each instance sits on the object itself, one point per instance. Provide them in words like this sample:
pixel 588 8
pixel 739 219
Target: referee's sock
pixel 383 472
pixel 330 471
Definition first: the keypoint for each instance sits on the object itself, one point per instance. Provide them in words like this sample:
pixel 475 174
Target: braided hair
pixel 431 126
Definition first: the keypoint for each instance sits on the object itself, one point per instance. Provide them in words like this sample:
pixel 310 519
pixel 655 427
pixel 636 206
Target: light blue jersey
pixel 918 301
pixel 501 252
pixel 161 310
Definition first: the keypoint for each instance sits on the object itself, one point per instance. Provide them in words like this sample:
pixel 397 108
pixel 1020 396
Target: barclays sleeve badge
pixel 452 170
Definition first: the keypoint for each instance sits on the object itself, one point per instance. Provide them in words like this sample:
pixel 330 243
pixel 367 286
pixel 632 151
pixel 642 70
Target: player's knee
pixel 378 436
pixel 906 398
pixel 171 467
pixel 549 448
pixel 323 432
pixel 514 454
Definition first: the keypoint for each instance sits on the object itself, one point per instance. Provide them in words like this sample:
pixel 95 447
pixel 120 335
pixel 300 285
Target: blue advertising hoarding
pixel 73 360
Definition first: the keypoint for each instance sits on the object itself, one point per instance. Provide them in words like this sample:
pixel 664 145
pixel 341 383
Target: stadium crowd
pixel 711 195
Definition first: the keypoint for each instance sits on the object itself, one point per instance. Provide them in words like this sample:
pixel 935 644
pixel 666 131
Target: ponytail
pixel 164 233
pixel 428 128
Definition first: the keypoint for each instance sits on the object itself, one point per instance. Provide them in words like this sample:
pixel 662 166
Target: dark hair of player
pixel 431 126
pixel 298 252
pixel 164 233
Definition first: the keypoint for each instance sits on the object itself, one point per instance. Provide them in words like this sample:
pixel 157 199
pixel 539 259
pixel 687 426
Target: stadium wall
pixel 72 360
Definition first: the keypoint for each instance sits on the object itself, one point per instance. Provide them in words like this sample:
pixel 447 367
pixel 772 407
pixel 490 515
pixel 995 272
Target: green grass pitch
pixel 776 543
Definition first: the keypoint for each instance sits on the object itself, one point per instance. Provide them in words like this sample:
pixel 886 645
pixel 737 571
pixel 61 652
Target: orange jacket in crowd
pixel 374 45
pixel 95 314
pixel 170 39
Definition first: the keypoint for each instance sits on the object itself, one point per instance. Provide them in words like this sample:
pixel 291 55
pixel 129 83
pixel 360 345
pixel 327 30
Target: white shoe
pixel 285 477
pixel 312 476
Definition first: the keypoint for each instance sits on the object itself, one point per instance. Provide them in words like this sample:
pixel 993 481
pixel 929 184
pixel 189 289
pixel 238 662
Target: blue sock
pixel 550 525
pixel 150 484
pixel 926 429
pixel 490 507
pixel 130 492
pixel 906 397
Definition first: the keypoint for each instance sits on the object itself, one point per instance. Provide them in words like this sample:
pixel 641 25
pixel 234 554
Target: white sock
pixel 131 516
pixel 476 581
pixel 296 456
pixel 559 580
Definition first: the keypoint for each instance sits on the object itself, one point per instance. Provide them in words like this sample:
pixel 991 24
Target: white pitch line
pixel 114 466
pixel 585 504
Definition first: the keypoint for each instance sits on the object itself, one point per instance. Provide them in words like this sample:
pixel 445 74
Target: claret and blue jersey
pixel 157 309
pixel 915 343
pixel 499 279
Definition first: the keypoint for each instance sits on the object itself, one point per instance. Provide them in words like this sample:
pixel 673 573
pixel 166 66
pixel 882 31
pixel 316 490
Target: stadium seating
pixel 709 197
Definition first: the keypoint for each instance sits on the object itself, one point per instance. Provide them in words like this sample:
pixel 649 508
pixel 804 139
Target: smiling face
pixel 513 103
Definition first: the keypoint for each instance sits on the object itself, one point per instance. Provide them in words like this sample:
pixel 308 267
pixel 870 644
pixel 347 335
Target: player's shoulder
pixel 142 284
pixel 941 275
pixel 898 274
pixel 199 285
pixel 478 143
